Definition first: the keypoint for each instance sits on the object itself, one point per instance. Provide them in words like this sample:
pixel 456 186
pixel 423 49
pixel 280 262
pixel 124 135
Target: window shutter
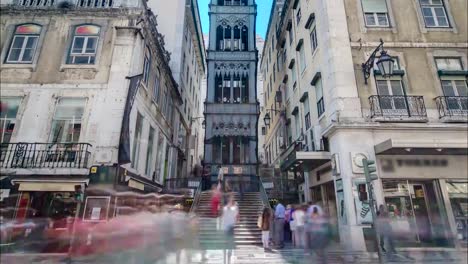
pixel 374 6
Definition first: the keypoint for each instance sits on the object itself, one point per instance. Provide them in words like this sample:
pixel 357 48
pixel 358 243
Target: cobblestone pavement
pixel 256 256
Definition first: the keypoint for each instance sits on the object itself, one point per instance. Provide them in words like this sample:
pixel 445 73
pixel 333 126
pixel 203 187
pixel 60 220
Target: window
pixel 302 59
pixel 293 75
pixel 149 153
pixel 434 13
pixel 225 150
pixel 263 131
pixel 319 97
pixel 137 141
pixel 297 125
pixel 298 16
pixel 313 40
pixel 146 66
pixel 290 36
pixel 159 157
pixel 226 89
pixel 24 44
pixel 157 83
pixel 449 64
pixel 307 113
pixel 391 95
pixel 84 45
pixel 375 13
pixel 8 111
pixel 66 123
pixel 274 74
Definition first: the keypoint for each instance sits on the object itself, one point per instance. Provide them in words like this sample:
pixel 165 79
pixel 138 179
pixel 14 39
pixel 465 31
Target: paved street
pixel 257 256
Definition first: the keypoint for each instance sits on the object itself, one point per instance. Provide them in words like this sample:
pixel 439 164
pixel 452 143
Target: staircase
pixel 246 232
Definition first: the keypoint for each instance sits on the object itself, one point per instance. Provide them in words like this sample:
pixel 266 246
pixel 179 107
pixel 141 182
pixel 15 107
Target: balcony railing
pixel 397 106
pixel 452 106
pixel 70 3
pixel 44 155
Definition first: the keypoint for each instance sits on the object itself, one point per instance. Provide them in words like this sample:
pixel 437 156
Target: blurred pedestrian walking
pixel 264 223
pixel 385 232
pixel 318 232
pixel 230 218
pixel 298 226
pixel 279 225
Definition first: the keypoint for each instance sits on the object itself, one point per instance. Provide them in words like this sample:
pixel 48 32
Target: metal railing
pixel 397 106
pixel 44 155
pixel 71 3
pixel 449 106
pixel 196 197
pixel 263 194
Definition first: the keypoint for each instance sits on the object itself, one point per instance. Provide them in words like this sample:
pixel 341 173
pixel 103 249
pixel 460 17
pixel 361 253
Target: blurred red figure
pixel 215 201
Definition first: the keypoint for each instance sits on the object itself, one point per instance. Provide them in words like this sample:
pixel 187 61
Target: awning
pixel 136 185
pixel 49 185
pixel 307 160
pixel 422 147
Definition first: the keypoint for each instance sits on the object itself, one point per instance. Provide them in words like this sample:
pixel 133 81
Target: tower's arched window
pixel 227 37
pixel 237 38
pixel 245 38
pixel 219 37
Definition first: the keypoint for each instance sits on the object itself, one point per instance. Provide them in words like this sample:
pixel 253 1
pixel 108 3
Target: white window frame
pixel 23 48
pixel 376 19
pixel 433 7
pixel 313 40
pixel 146 66
pixel 302 58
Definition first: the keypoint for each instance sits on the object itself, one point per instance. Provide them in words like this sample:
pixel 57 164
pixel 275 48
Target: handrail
pixel 196 197
pixel 263 193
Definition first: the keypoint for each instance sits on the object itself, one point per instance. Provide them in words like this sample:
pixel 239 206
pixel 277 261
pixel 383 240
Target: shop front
pixel 426 196
pixel 44 214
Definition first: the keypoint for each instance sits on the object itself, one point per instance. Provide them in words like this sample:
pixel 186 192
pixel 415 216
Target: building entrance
pixel 417 212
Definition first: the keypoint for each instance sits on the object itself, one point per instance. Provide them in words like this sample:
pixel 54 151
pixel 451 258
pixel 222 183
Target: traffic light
pixel 369 168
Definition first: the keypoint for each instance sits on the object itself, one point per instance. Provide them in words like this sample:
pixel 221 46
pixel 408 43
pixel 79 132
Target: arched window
pixel 226 89
pixel 227 37
pixel 237 38
pixel 245 88
pixel 236 83
pixel 219 37
pixel 24 43
pixel 84 44
pixel 245 38
pixel 218 89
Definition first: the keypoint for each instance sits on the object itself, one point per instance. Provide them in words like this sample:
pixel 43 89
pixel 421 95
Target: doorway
pixel 417 212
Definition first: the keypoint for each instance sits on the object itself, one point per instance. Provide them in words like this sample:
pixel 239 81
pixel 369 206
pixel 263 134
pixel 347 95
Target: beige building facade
pixel 330 115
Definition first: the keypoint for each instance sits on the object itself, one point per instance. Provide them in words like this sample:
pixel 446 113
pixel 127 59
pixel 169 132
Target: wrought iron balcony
pixel 452 106
pixel 73 3
pixel 44 155
pixel 392 107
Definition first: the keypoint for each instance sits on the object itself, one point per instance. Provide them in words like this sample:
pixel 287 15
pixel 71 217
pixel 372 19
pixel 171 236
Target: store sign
pixel 390 165
pixel 422 166
pixel 193 184
pixel 237 170
pixel 268 185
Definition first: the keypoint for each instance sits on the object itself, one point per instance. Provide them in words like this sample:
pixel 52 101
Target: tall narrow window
pixel 307 113
pixel 434 13
pixel 149 153
pixel 146 66
pixel 217 150
pixel 84 45
pixel 8 111
pixel 227 89
pixel 297 125
pixel 298 16
pixel 137 141
pixel 227 38
pixel 218 89
pixel 159 156
pixel 302 59
pixel 375 13
pixel 245 88
pixel 67 120
pixel 237 38
pixel 225 149
pixel 237 142
pixel 319 97
pixel 237 89
pixel 313 39
pixel 24 44
pixel 157 83
pixel 293 76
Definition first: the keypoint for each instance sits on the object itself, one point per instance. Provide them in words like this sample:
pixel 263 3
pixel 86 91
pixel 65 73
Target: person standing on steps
pixel 279 225
pixel 229 220
pixel 264 221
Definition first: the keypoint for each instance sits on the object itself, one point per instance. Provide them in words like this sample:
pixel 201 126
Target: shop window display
pixel 415 208
pixel 458 194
